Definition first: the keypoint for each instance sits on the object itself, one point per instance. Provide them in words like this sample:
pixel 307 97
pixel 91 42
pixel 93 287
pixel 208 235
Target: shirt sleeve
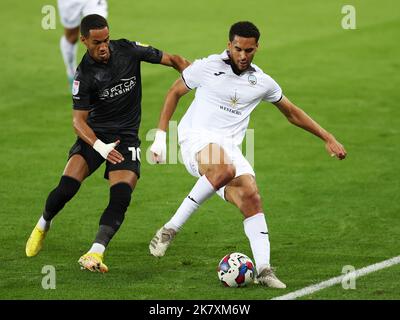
pixel 274 92
pixel 144 52
pixel 81 93
pixel 193 75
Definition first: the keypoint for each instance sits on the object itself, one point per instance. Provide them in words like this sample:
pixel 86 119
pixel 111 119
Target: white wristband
pixel 102 148
pixel 159 145
pixel 161 136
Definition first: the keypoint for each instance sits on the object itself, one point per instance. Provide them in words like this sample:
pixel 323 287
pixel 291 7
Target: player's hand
pixel 108 152
pixel 114 156
pixel 159 147
pixel 335 149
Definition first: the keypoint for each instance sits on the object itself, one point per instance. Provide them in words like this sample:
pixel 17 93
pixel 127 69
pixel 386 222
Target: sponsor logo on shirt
pixel 234 100
pixel 75 87
pixel 237 112
pixel 125 86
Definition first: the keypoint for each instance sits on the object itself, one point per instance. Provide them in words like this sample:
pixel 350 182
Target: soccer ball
pixel 235 270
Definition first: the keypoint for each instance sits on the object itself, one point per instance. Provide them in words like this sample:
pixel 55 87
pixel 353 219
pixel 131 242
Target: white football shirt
pixel 224 101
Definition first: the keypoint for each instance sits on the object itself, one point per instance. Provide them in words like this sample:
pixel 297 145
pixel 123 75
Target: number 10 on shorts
pixel 135 153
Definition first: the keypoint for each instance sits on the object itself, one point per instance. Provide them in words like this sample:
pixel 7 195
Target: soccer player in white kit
pixel 228 88
pixel 71 12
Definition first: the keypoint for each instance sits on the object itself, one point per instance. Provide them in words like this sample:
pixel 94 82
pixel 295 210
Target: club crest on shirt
pixel 252 79
pixel 75 87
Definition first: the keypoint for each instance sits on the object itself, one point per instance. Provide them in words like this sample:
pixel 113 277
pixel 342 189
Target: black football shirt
pixel 112 92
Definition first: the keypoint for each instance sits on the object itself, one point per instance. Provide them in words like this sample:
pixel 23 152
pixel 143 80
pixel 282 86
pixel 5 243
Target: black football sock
pixel 114 214
pixel 57 198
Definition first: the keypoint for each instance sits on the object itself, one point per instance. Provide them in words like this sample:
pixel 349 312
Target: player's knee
pixel 120 198
pixel 57 198
pixel 251 199
pixel 229 172
pixel 67 188
pixel 220 175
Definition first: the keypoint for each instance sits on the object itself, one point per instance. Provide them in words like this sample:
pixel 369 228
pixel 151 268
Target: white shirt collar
pixel 224 55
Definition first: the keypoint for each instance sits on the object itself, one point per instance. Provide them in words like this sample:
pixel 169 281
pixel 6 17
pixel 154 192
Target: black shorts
pixel 128 147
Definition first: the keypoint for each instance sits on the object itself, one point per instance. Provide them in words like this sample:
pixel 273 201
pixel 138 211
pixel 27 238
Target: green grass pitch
pixel 322 214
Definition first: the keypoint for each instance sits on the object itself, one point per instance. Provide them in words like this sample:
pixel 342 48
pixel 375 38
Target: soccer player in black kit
pixel 106 117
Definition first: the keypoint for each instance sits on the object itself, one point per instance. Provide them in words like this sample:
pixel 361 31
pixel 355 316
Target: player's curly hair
pixel 244 29
pixel 92 22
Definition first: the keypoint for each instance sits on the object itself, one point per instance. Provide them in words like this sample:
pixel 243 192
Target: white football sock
pixel 43 224
pixel 201 191
pixel 256 230
pixel 69 52
pixel 97 248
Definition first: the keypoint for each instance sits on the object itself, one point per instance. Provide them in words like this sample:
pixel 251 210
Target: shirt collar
pixel 225 57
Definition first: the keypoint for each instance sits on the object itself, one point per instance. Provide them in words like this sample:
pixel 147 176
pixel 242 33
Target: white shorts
pixel 72 11
pixel 195 143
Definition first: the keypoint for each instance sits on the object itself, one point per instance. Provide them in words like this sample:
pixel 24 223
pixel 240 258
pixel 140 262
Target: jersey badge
pixel 75 87
pixel 252 79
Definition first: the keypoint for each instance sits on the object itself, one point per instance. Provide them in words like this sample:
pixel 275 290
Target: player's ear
pixel 83 39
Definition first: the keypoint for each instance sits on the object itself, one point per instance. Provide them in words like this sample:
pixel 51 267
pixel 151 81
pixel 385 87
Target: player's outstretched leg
pixel 56 200
pixel 202 190
pixel 217 170
pixel 110 222
pixel 243 193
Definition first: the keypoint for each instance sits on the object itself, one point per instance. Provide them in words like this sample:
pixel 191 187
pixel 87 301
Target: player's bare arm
pixel 172 60
pixel 159 146
pixel 177 90
pixel 86 133
pixel 298 117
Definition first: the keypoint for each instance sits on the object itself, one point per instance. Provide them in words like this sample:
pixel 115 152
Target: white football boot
pixel 161 241
pixel 268 278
